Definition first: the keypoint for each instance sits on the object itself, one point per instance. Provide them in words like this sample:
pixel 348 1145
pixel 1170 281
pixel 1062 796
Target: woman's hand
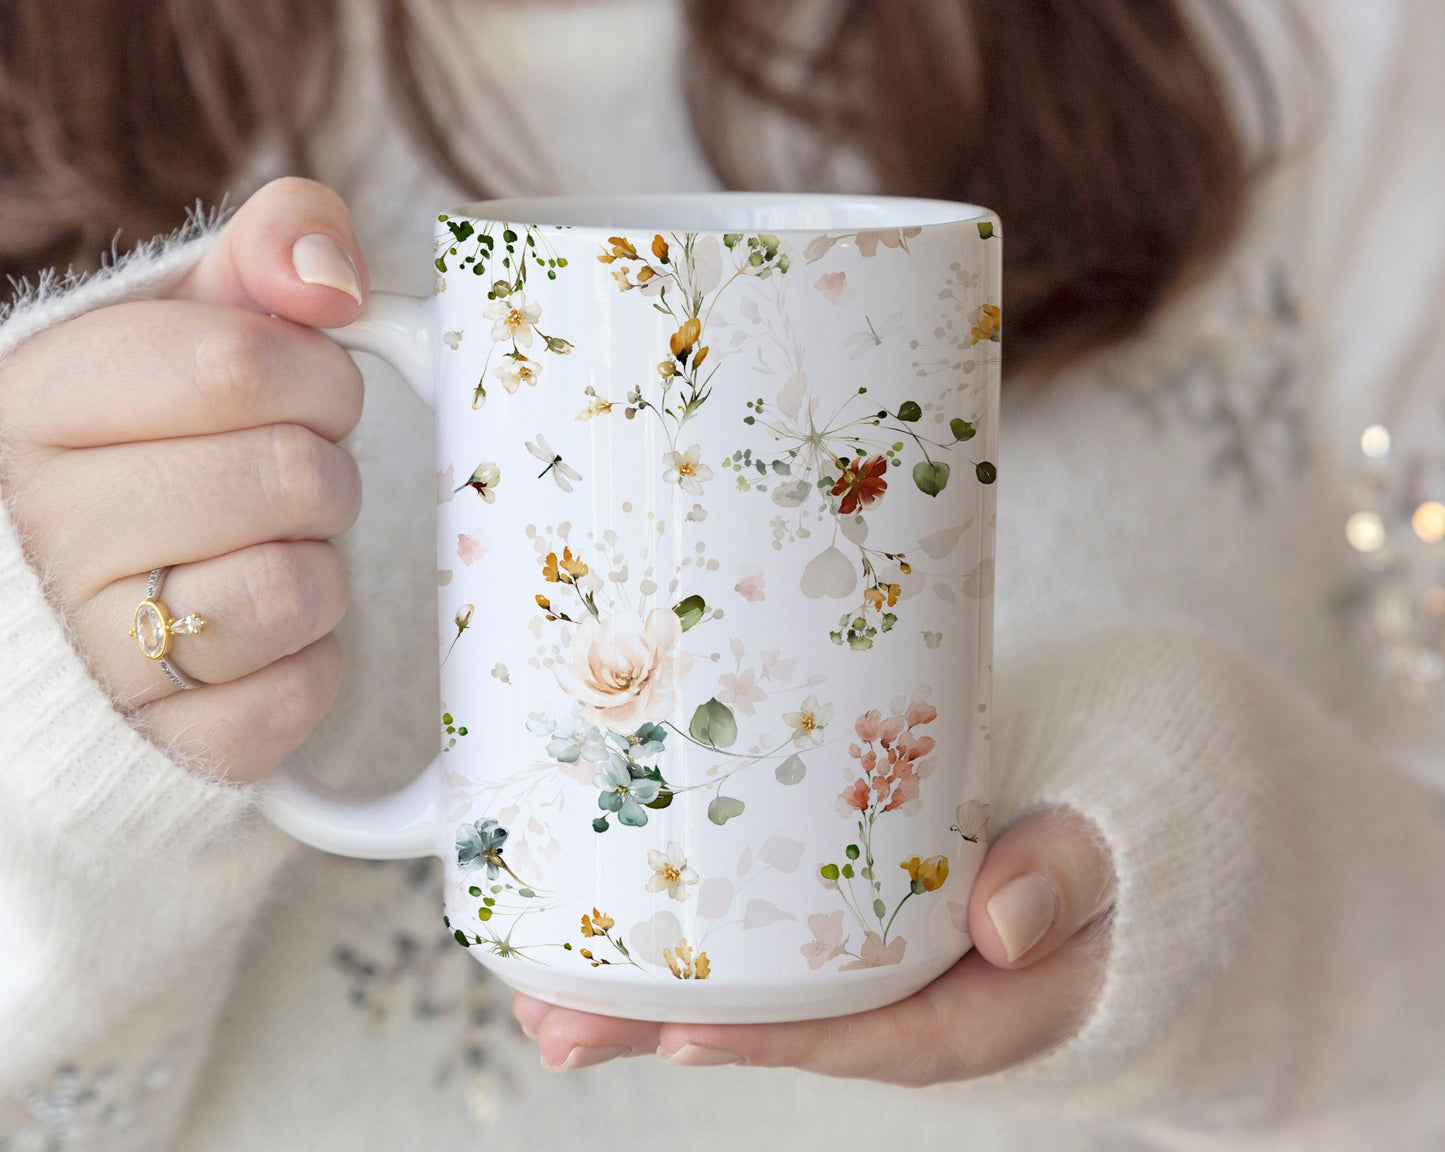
pixel 1036 915
pixel 200 432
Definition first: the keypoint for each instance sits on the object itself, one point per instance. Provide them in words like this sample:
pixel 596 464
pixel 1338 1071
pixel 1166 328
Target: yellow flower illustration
pixel 882 594
pixel 682 964
pixel 596 406
pixel 686 337
pixel 660 248
pixel 622 249
pixel 926 875
pixel 597 924
pixel 987 324
pixel 568 570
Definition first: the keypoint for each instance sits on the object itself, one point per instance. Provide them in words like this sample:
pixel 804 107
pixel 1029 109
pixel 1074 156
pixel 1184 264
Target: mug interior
pixel 728 212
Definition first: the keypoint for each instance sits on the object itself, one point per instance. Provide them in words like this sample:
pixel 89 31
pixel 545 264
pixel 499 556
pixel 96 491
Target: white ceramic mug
pixel 715 528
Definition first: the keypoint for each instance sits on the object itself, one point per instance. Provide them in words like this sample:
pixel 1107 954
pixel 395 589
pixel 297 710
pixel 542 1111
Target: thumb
pixel 290 252
pixel 1044 879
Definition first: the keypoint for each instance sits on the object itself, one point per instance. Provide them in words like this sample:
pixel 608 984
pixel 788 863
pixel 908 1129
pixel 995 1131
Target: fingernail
pixel 527 1032
pixel 318 259
pixel 586 1057
pixel 696 1056
pixel 1022 911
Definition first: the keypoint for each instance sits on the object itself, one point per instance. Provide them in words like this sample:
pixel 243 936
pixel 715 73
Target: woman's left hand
pixel 1032 977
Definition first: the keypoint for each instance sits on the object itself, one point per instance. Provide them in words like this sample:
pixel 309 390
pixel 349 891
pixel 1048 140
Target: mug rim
pixel 723 212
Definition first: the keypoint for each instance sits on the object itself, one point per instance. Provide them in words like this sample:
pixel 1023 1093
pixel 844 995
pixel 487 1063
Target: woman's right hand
pixel 200 433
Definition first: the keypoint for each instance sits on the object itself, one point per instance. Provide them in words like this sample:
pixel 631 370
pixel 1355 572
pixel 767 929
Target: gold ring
pixel 155 629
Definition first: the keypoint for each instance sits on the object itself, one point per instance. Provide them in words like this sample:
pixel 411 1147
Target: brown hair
pixel 1096 128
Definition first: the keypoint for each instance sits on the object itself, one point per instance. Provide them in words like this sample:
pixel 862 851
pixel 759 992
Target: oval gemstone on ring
pixel 150 630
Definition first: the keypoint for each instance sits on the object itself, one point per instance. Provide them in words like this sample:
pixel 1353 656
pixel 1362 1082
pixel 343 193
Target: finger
pixel 289 251
pixel 260 604
pixel 152 370
pixel 973 1020
pixel 1042 881
pixel 182 501
pixel 567 1039
pixel 247 727
pixel 529 1012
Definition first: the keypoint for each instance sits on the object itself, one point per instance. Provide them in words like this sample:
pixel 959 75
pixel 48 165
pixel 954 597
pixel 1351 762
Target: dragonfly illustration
pixel 562 472
pixel 861 342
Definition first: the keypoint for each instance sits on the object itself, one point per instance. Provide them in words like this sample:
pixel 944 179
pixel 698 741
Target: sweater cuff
pixel 147 271
pixel 75 771
pixel 1142 731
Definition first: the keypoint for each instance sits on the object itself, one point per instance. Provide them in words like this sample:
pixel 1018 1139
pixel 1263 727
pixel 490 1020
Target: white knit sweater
pixel 1178 660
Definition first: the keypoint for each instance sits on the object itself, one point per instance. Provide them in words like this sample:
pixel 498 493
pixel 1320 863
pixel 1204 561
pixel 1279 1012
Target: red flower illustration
pixel 861 484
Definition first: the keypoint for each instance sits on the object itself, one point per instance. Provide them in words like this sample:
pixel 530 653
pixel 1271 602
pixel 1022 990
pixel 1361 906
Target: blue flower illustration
pixel 623 794
pixel 480 844
pixel 647 743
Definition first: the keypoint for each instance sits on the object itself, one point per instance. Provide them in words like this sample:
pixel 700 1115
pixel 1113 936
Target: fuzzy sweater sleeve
pixel 123 865
pixel 1277 953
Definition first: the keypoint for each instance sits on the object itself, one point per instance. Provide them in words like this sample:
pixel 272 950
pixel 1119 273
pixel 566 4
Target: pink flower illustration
pixel 741 691
pixel 624 671
pixel 752 586
pixel 856 795
pixel 833 286
pixel 470 549
pixel 874 954
pixel 827 939
pixel 893 757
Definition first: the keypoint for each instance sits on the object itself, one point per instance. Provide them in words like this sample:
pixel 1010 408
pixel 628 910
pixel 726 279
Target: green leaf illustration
pixel 828 871
pixel 985 229
pixel 723 809
pixel 791 771
pixel 909 412
pixel 713 724
pixel 690 611
pixel 987 473
pixel 962 429
pixel 931 476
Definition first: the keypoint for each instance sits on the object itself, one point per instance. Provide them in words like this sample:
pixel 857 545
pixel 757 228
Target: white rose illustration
pixel 624 670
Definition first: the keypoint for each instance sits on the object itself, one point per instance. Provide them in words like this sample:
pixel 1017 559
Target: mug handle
pixel 405 824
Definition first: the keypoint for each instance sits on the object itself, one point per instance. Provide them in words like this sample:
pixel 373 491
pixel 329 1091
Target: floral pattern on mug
pixel 635 704
pixel 843 467
pixel 515 320
pixel 686 277
pixel 670 872
pixel 893 757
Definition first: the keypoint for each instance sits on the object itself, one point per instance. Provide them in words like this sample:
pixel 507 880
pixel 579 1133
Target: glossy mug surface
pixel 715 543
